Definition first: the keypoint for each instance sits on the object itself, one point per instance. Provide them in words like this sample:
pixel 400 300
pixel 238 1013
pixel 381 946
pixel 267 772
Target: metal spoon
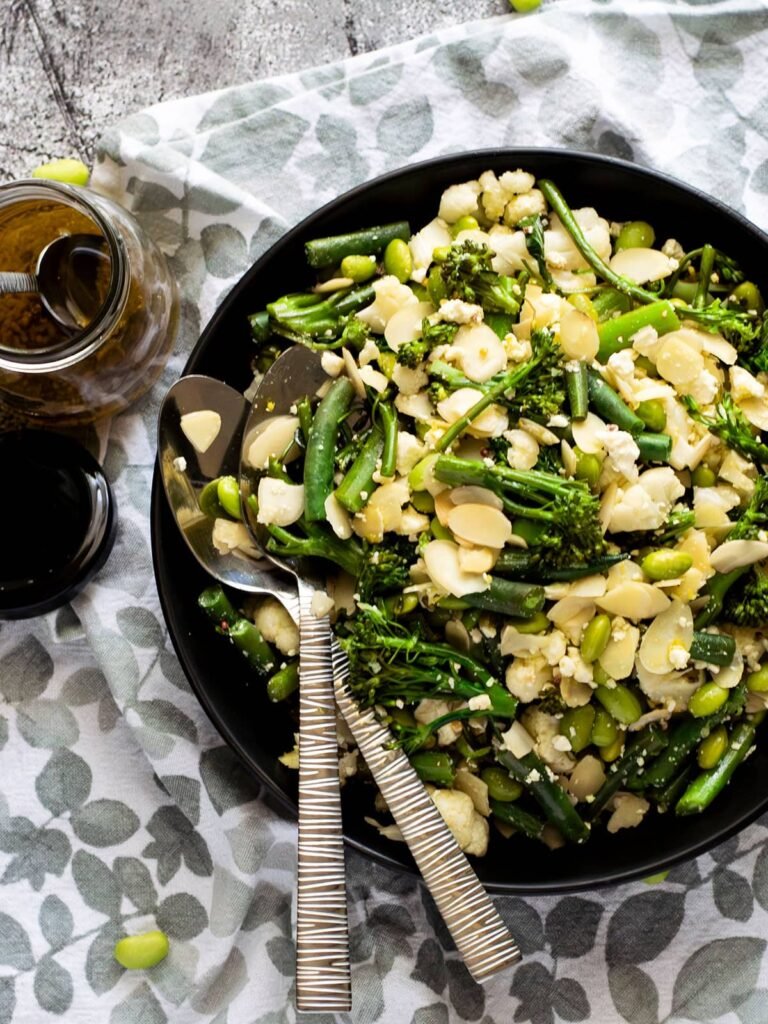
pixel 479 933
pixel 64 278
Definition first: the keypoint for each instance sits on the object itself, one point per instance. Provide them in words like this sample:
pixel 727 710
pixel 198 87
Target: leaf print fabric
pixel 120 808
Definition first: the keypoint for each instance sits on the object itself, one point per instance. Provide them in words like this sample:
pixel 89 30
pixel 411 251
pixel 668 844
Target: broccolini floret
pixel 467 274
pixel 731 426
pixel 414 352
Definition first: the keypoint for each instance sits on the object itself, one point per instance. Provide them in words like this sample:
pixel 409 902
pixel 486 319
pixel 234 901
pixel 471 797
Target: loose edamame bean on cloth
pixel 140 952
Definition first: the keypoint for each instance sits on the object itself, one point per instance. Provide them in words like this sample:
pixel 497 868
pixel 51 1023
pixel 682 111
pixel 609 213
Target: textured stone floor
pixel 70 68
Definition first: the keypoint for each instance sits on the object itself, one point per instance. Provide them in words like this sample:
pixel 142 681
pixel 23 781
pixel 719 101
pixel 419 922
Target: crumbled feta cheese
pixel 456 311
pixel 480 702
pixel 518 351
pixel 180 463
pixel 409 380
pixel 321 605
pixel 744 385
pixel 527 205
pixel 561 743
pixel 622 450
pixel 527 677
pixel 646 504
pixel 678 656
pixel 573 666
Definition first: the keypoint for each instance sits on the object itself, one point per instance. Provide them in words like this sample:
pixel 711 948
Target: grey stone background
pixel 71 68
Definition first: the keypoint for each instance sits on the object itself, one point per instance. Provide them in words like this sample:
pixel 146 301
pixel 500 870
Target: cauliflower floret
pixel 711 505
pixel 409 381
pixel 573 666
pixel 390 296
pixel 528 205
pixel 517 182
pixel 432 236
pixel 276 626
pixel 646 504
pixel 469 828
pixel 409 451
pixel 459 201
pixel 511 252
pixel 368 353
pixel 559 248
pixel 527 677
pixel 494 196
pixel 544 728
pixel 622 450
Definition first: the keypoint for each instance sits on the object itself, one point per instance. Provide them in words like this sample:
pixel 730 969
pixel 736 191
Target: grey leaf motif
pixel 282 953
pixel 221 984
pixel 169 666
pixel 435 1013
pixel 203 200
pixel 3 731
pixel 372 84
pixel 136 882
pixel 430 966
pixel 643 925
pixel 230 901
pixel 7 999
pixel 569 1000
pixel 84 686
pixel 572 926
pixel 148 196
pixel 15 950
pixel 466 995
pixel 270 904
pixel 53 986
pixel 243 102
pixel 38 852
pixel 174 839
pixel 524 923
pixel 532 986
pixel 370 1002
pixel 96 884
pixel 224 249
pixel 64 783
pixel 250 840
pixel 464 63
pixel 752 1010
pixel 760 878
pixel 25 671
pixel 140 1005
pixel 109 713
pixel 140 627
pixel 225 779
pixel 104 823
pixel 67 626
pixel 115 652
pixel 166 718
pixel 47 723
pixel 406 128
pixel 634 994
pixel 142 127
pixel 175 976
pixel 56 921
pixel 182 916
pixel 101 969
pixel 717 977
pixel 726 852
pixel 733 895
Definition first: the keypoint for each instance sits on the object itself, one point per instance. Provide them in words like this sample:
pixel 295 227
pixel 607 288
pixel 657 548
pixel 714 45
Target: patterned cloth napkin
pixel 121 810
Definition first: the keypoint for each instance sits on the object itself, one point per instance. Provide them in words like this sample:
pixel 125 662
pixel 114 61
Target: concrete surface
pixel 70 68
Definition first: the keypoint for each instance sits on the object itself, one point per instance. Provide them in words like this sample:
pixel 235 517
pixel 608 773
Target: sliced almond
pixel 353 372
pixel 587 777
pixel 405 324
pixel 730 675
pixel 441 558
pixel 672 629
pixel 618 658
pixel 443 507
pixel 480 524
pixel 678 361
pixel 472 494
pixel 586 434
pixel 476 559
pixel 201 428
pixel 734 554
pixel 634 601
pixel 642 265
pixel 337 517
pixel 673 689
pixel 475 789
pixel 624 572
pixel 578 334
pixel 756 411
pixel 373 378
pixel 271 439
pixel 481 353
pixel 716 345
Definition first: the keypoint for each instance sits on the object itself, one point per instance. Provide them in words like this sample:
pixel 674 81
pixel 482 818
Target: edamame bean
pixel 138 952
pixel 703 476
pixel 612 751
pixel 584 305
pixel 708 699
pixel 400 604
pixel 588 468
pixel 620 702
pixel 398 260
pixel 72 172
pixel 423 502
pixel 653 415
pixel 439 532
pixel 387 362
pixel 501 786
pixel 228 493
pixel 748 295
pixel 360 268
pixel 712 748
pixel 436 286
pixel 576 725
pixel 209 500
pixel 666 564
pixel 538 623
pixel 757 682
pixel 604 729
pixel 524 6
pixel 465 223
pixel 595 638
pixel 635 234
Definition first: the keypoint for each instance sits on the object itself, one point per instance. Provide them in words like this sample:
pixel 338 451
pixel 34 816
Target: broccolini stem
pixel 388 419
pixel 706 266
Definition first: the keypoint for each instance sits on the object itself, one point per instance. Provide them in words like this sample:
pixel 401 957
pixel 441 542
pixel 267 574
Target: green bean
pixel 617 334
pixel 620 702
pixel 703 476
pixel 260 328
pixel 501 785
pixel 604 729
pixel 666 564
pixel 714 648
pixel 433 766
pixel 703 790
pixel 576 725
pixel 717 588
pixel 358 268
pixel 635 234
pixel 644 746
pixel 576 386
pixel 588 468
pixel 667 796
pixel 228 493
pixel 209 501
pixel 358 484
pixel 329 251
pixel 284 682
pixel 509 597
pixel 712 748
pixel 611 406
pixel 757 682
pixel 217 606
pixel 553 800
pixel 654 447
pixel 249 641
pixel 611 751
pixel 388 421
pixel 707 699
pixel 321 444
pixel 520 564
pixel 140 952
pixel 653 414
pixel 595 638
pixel 304 412
pixel 522 821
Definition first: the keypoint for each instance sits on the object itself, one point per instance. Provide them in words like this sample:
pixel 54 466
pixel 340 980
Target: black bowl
pixel 258 731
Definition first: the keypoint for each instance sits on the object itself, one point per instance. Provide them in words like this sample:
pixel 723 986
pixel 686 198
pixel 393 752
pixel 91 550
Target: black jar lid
pixel 57 521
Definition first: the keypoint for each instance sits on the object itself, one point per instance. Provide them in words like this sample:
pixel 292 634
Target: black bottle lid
pixel 57 521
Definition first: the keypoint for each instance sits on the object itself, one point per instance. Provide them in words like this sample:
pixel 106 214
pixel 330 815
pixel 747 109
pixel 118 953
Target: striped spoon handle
pixel 480 935
pixel 12 281
pixel 322 946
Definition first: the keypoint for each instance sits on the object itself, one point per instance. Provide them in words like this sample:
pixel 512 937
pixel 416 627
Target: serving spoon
pixel 64 278
pixel 475 926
